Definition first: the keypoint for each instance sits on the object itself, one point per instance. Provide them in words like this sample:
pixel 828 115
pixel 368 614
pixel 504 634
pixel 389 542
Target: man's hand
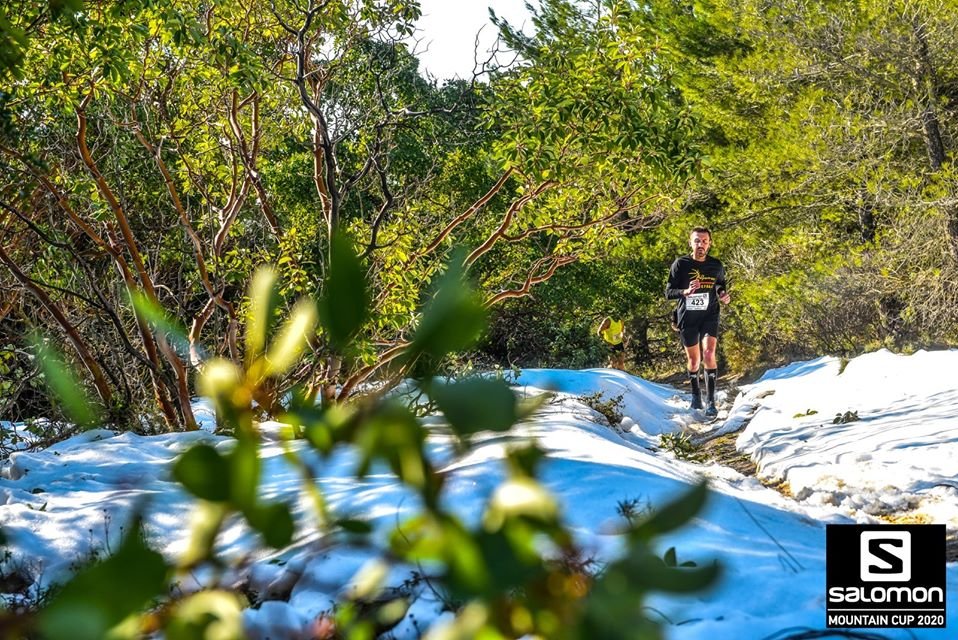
pixel 724 297
pixel 693 286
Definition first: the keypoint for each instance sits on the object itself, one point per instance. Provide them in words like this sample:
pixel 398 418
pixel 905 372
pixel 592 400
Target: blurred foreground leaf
pixel 264 300
pixel 103 595
pixel 66 387
pixel 208 615
pixel 476 404
pixel 204 473
pixel 344 306
pixel 672 515
pixel 162 323
pixel 274 521
pixel 292 340
pixel 453 320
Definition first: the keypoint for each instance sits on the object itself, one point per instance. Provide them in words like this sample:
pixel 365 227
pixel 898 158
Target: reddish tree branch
pixel 181 386
pixel 516 206
pixel 131 245
pixel 79 345
pixel 465 215
pixel 535 277
pixel 249 155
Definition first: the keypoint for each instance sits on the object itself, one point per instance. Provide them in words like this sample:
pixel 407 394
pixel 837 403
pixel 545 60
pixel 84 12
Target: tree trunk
pixel 79 345
pixel 866 221
pixel 927 88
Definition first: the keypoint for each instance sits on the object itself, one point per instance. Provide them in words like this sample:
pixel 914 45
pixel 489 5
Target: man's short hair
pixel 701 230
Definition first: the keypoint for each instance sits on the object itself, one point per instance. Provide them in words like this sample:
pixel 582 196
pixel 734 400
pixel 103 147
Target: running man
pixel 613 333
pixel 697 281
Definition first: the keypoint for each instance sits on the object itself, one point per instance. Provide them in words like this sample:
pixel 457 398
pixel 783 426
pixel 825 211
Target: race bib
pixel 697 302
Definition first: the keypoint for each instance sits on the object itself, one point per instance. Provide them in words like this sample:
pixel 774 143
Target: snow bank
pixel 60 505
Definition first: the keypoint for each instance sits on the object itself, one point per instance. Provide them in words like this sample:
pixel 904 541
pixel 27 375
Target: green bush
pixel 610 408
pixel 681 446
pixel 845 418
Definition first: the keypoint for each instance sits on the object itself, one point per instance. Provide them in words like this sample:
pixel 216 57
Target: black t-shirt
pixel 704 303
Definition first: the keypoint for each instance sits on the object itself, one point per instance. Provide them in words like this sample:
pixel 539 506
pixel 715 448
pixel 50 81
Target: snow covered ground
pixel 894 457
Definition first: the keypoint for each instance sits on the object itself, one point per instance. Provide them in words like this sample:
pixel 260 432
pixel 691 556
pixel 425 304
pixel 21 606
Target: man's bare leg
pixel 710 344
pixel 694 357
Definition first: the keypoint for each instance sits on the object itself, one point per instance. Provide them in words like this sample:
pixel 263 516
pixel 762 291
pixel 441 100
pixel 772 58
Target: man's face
pixel 700 243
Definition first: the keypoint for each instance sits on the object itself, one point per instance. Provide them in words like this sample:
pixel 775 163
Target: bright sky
pixel 449 28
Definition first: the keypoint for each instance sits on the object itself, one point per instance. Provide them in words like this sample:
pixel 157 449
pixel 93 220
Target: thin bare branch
pixel 514 208
pixel 536 276
pixel 465 215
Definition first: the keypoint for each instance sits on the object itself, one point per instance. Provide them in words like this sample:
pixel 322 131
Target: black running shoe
pixel 711 411
pixel 696 403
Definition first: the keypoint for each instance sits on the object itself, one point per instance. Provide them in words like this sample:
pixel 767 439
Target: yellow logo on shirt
pixel 705 282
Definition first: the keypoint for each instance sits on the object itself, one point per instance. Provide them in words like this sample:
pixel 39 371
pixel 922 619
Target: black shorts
pixel 616 348
pixel 694 329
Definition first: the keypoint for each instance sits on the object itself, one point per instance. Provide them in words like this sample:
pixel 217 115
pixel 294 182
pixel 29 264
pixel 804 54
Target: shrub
pixel 845 418
pixel 681 446
pixel 610 408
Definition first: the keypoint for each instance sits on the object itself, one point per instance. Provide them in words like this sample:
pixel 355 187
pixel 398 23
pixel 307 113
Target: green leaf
pixel 340 420
pixel 162 323
pixel 394 434
pixel 325 428
pixel 674 514
pixel 59 7
pixel 476 404
pixel 522 461
pixel 274 521
pixel 223 382
pixel 293 338
pixel 670 558
pixel 420 538
pixel 320 436
pixel 344 305
pixel 520 497
pixel 244 473
pixel 103 595
pixel 653 574
pixel 351 525
pixel 204 473
pixel 66 388
pixel 207 520
pixel 264 301
pixel 454 318
pixel 529 406
pixel 392 612
pixel 369 581
pixel 468 570
pixel 508 560
pixel 207 615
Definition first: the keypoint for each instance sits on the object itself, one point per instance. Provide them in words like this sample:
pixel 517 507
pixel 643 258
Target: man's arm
pixel 721 287
pixel 674 288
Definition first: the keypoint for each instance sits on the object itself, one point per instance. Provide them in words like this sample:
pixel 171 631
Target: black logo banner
pixel 885 576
